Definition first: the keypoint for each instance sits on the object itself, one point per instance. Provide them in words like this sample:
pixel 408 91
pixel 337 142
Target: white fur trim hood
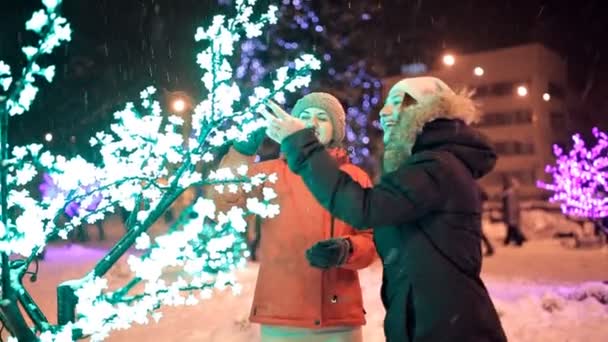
pixel 435 100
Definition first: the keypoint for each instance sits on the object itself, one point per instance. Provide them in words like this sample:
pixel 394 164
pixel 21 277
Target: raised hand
pixel 280 123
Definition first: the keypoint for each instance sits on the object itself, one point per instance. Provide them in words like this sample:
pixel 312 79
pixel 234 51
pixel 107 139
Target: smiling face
pixel 320 120
pixel 395 119
pixel 394 110
pixel 389 114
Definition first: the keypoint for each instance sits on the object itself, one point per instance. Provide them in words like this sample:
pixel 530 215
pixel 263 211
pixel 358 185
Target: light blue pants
pixel 273 333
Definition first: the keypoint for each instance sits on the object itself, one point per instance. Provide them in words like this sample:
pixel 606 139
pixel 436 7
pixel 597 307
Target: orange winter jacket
pixel 290 292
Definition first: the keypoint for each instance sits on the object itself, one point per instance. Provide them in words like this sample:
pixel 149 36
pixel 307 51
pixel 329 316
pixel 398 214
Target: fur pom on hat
pixel 332 106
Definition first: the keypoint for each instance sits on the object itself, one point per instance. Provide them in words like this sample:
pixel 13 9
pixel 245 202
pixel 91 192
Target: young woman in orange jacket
pixel 307 287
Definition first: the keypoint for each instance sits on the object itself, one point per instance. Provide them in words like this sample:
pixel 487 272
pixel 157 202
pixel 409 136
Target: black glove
pixel 329 253
pixel 253 142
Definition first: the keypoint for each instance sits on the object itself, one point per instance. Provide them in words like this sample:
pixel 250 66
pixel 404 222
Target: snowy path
pixel 521 281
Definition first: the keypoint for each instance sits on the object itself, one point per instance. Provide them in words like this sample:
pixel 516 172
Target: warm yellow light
pixel 179 105
pixel 522 91
pixel 449 60
pixel 546 97
pixel 478 71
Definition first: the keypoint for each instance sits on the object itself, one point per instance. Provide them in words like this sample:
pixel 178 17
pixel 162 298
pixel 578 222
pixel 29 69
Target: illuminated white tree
pixel 17 92
pixel 147 164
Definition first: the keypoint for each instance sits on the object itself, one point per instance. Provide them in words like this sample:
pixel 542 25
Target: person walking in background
pixel 511 213
pixel 484 238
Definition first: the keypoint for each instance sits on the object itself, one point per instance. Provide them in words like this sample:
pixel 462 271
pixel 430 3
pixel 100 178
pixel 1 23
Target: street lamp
pixel 478 71
pixel 522 91
pixel 449 59
pixel 178 101
pixel 178 105
pixel 546 97
pixel 48 137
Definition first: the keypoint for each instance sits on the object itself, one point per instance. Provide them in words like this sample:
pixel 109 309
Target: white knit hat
pixel 331 105
pixel 420 87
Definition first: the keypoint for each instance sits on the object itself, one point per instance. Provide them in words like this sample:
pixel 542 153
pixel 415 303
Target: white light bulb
pixel 449 60
pixel 179 105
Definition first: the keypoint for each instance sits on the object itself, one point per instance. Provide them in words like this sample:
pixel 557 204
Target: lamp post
pixel 449 59
pixel 522 91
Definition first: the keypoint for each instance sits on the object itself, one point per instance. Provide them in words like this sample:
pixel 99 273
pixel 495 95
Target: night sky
pixel 120 46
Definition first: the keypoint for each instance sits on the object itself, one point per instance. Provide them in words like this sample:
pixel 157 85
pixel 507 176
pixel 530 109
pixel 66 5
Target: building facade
pixel 522 93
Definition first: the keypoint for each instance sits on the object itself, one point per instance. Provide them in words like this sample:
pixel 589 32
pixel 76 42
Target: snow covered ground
pixel 543 292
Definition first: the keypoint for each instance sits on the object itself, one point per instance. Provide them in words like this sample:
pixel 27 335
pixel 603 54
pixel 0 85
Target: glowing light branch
pixel 146 165
pixel 580 178
pixel 53 30
pixel 138 152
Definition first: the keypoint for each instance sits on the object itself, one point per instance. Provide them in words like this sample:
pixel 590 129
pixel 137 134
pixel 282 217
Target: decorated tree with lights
pixel 337 34
pixel 580 178
pixel 17 92
pixel 147 163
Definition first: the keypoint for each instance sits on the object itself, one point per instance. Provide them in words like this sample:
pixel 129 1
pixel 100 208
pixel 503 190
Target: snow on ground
pixel 542 291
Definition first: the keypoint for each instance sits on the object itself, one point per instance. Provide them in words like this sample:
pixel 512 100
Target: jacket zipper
pixel 325 272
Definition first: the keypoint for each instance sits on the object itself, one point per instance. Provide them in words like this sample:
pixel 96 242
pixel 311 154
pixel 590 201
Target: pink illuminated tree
pixel 580 178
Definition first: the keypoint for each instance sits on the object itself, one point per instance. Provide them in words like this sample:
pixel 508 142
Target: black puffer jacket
pixel 426 217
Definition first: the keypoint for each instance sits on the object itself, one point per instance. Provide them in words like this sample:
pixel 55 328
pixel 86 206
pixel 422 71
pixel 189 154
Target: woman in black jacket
pixel 426 210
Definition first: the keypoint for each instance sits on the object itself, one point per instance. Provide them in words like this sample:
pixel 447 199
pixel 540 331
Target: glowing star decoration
pixel 580 177
pixel 143 241
pixel 269 194
pixel 39 20
pixel 242 170
pixel 2 230
pixel 51 4
pixel 146 166
pixel 5 76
